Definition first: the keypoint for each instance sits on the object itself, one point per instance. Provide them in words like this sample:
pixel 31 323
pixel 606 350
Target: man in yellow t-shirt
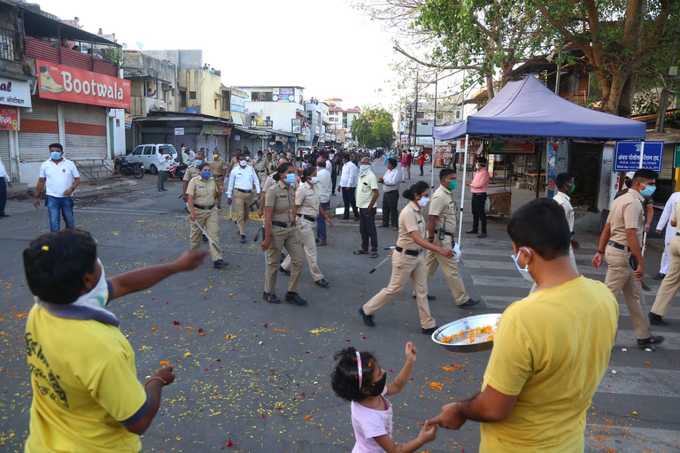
pixel 86 396
pixel 551 349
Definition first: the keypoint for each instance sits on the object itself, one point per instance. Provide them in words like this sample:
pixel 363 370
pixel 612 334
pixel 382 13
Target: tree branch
pixel 398 48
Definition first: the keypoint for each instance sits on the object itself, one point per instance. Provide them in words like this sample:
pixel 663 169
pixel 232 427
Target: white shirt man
pixel 59 177
pixel 243 179
pixel 3 172
pixel 350 175
pixel 164 161
pixel 329 165
pixel 324 184
pixel 664 221
pixel 564 201
pixel 391 180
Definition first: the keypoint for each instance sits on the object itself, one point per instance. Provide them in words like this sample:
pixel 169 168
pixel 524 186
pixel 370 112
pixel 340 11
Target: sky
pixel 326 46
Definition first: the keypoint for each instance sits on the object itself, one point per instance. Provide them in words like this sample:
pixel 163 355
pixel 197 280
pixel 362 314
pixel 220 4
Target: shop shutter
pixel 85 128
pixel 149 138
pixel 4 150
pixel 37 130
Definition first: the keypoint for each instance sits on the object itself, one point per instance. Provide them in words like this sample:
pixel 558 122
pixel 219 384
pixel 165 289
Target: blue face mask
pixel 198 162
pixel 55 155
pixel 205 174
pixel 291 179
pixel 648 191
pixel 453 184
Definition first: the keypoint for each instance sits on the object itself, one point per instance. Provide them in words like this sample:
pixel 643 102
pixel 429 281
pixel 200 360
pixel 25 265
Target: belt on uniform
pixel 205 208
pixel 616 245
pixel 307 217
pixel 279 224
pixel 678 233
pixel 408 252
pixel 244 191
pixel 445 233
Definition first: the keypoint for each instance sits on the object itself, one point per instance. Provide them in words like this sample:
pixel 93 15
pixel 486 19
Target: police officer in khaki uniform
pixel 671 282
pixel 260 166
pixel 441 227
pixel 193 170
pixel 408 261
pixel 620 245
pixel 203 199
pixel 306 209
pixel 219 170
pixel 280 231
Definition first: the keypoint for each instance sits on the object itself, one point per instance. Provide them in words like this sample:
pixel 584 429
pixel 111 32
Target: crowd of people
pixel 537 388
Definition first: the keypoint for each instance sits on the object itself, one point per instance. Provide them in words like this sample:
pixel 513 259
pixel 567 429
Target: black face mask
pixel 378 387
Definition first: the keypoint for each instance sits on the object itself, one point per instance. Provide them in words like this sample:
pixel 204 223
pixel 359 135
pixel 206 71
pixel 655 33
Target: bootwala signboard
pixel 627 156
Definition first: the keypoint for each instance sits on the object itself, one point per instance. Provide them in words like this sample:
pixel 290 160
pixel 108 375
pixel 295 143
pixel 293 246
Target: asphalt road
pixel 255 377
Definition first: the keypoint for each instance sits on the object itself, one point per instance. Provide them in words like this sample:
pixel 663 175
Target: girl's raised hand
pixel 410 351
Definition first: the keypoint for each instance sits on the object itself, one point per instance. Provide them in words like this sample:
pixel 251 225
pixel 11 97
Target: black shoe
pixel 482 236
pixel 283 271
pixel 243 239
pixel 429 331
pixel 271 298
pixel 205 238
pixel 471 232
pixel 322 283
pixel 295 299
pixel 659 276
pixel 429 297
pixel 345 217
pixel 323 243
pixel 469 303
pixel 360 252
pixel 657 320
pixel 373 254
pixel 4 215
pixel 368 319
pixel 650 342
pixel 219 264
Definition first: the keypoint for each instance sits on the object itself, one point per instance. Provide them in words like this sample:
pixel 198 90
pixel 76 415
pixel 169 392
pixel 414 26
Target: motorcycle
pixel 177 170
pixel 123 167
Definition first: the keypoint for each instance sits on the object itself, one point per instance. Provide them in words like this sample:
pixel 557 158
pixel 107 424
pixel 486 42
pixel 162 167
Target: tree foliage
pixel 373 128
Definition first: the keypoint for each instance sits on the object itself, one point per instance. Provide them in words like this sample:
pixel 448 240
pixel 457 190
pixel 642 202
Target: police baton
pixel 205 233
pixel 389 255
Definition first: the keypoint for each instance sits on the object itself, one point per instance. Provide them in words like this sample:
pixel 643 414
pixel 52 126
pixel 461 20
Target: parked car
pixel 150 155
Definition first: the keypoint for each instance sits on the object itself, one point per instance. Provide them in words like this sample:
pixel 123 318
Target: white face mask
pixel 97 297
pixel 524 272
pixel 242 163
pixel 423 201
pixel 363 168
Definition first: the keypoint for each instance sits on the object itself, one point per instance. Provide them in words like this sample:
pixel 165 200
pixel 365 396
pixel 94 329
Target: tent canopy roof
pixel 527 108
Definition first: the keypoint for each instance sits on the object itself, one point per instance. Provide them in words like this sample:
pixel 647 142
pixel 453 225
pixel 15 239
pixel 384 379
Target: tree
pixel 373 128
pixel 623 41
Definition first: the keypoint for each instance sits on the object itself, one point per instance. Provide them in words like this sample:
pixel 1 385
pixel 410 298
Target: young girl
pixel 358 378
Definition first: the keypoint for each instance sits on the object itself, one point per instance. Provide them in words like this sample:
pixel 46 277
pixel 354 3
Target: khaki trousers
pixel 450 269
pixel 620 277
pixel 671 282
pixel 405 267
pixel 209 220
pixel 308 240
pixel 241 209
pixel 288 238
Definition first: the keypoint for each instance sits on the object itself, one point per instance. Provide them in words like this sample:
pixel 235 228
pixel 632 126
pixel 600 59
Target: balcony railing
pixel 7 44
pixel 52 52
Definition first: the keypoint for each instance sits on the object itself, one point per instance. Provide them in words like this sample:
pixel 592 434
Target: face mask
pixel 572 189
pixel 379 387
pixel 648 191
pixel 198 162
pixel 453 184
pixel 291 179
pixel 423 201
pixel 364 167
pixel 55 155
pixel 523 271
pixel 205 174
pixel 97 297
pixel 314 180
pixel 242 163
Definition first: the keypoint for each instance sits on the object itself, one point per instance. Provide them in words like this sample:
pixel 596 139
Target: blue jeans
pixel 321 221
pixel 58 207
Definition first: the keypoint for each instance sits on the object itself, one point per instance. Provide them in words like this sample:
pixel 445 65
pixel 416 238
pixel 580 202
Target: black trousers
pixel 367 229
pixel 162 177
pixel 390 211
pixel 334 181
pixel 350 200
pixel 478 211
pixel 3 195
pixel 421 169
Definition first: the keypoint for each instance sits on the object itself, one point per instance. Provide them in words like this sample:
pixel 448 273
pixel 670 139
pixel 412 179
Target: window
pixel 215 102
pixel 192 95
pixel 148 150
pixel 261 96
pixel 225 101
pixel 167 149
pixel 182 98
pixel 457 114
pixel 7 44
pixel 138 151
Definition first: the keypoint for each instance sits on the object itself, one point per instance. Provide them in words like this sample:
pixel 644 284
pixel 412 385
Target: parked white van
pixel 150 155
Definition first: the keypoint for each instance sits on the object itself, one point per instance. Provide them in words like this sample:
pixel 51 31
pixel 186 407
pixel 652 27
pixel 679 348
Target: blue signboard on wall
pixel 627 156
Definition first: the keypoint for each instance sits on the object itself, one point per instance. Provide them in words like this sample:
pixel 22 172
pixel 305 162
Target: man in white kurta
pixel 664 221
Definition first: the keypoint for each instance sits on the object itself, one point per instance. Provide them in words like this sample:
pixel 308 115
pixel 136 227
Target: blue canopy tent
pixel 527 108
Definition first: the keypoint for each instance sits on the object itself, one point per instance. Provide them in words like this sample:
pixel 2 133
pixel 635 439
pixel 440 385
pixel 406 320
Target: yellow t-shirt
pixel 84 383
pixel 551 350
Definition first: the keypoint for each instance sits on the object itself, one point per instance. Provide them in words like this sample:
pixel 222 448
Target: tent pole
pixel 434 124
pixel 642 153
pixel 462 191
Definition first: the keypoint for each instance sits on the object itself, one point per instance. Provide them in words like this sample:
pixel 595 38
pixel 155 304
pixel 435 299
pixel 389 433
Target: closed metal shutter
pixel 4 150
pixel 152 138
pixel 85 128
pixel 38 129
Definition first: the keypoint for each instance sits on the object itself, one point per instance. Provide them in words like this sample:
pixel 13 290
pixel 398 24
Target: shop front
pixel 15 98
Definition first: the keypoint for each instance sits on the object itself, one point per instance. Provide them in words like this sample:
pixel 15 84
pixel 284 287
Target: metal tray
pixel 470 322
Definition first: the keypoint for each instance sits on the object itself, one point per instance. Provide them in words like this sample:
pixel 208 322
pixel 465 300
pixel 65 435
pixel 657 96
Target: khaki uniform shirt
pixel 626 212
pixel 281 198
pixel 217 168
pixel 308 198
pixel 443 206
pixel 260 166
pixel 410 220
pixel 192 172
pixel 204 192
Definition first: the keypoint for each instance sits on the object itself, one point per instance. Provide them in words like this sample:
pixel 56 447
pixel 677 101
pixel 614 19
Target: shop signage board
pixel 179 131
pixel 15 92
pixel 68 84
pixel 627 156
pixel 214 129
pixel 512 146
pixel 9 119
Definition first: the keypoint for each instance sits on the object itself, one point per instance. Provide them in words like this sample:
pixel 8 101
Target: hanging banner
pixel 15 92
pixel 67 84
pixel 9 119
